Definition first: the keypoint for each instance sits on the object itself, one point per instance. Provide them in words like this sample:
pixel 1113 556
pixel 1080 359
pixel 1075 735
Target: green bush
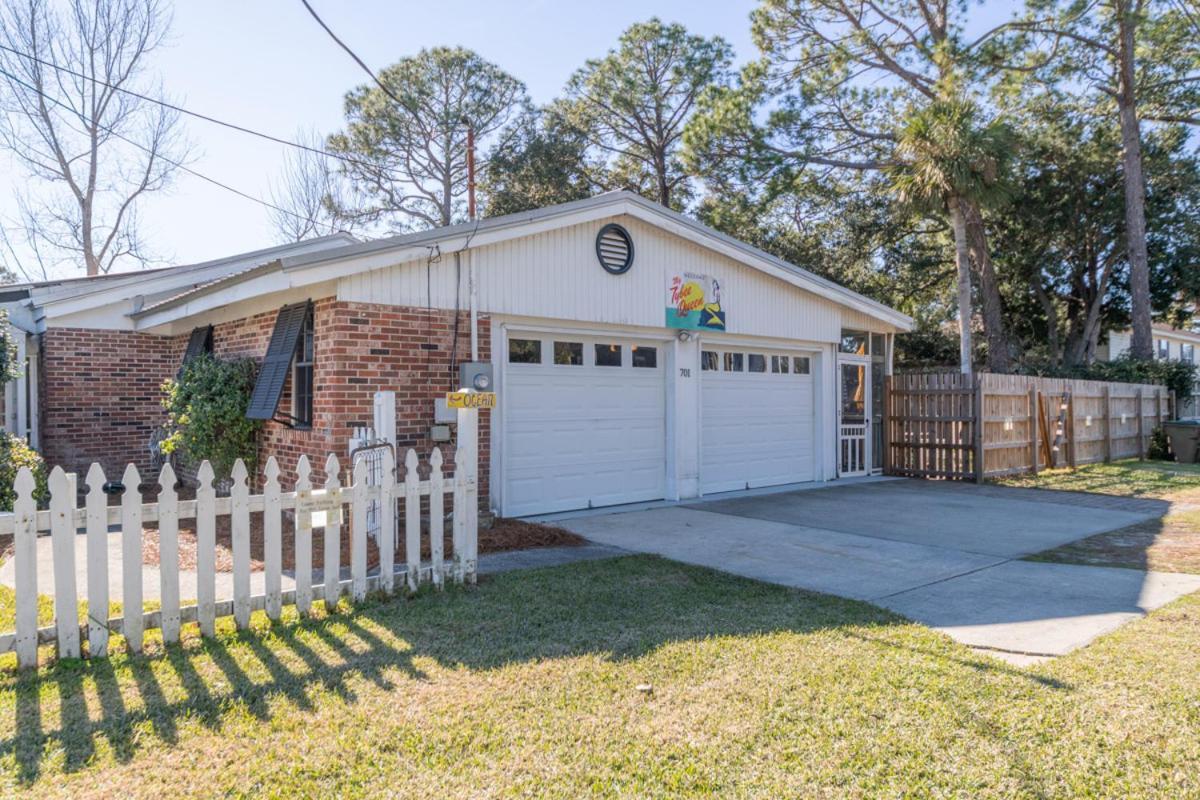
pixel 10 368
pixel 206 413
pixel 1160 446
pixel 1176 376
pixel 14 454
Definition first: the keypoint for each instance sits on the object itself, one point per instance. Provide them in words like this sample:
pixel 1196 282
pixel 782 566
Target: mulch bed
pixel 504 534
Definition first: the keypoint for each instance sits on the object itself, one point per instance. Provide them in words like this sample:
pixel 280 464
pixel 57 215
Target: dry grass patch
pixel 1170 544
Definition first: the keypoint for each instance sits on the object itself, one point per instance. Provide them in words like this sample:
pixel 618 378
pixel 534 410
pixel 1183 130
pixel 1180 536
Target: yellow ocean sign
pixel 471 399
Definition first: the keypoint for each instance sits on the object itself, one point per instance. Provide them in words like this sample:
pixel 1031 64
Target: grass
pixel 528 685
pixel 1168 544
pixel 1132 478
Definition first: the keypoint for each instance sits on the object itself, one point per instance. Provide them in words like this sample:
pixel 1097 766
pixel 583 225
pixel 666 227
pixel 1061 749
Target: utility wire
pixel 182 110
pixel 171 161
pixel 357 60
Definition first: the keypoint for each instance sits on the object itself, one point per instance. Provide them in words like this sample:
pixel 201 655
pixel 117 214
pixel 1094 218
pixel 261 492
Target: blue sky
pixel 267 65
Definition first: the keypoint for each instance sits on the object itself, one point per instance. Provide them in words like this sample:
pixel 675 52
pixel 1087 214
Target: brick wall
pixel 100 398
pixel 359 349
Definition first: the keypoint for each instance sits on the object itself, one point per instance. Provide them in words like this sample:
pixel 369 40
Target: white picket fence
pixel 311 508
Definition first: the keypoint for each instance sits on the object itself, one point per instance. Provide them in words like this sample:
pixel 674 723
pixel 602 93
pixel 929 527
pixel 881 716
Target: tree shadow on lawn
pixel 621 608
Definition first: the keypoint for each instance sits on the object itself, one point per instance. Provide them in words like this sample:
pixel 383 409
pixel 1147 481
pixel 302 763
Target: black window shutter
pixel 199 342
pixel 273 373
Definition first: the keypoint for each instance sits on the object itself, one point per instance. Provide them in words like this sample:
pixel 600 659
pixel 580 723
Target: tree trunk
pixel 1053 339
pixel 963 261
pixel 664 187
pixel 1141 344
pixel 999 357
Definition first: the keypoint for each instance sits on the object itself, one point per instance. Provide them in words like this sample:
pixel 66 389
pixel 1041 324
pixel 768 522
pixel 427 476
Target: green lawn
pixel 528 686
pixel 1130 478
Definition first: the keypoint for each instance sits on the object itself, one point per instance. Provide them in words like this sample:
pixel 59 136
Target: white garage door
pixel 757 419
pixel 585 423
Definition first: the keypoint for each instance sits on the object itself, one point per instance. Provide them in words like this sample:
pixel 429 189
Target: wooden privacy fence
pixel 971 427
pixel 311 507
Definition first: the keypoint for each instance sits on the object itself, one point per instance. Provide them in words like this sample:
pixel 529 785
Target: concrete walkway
pixel 943 554
pixel 489 563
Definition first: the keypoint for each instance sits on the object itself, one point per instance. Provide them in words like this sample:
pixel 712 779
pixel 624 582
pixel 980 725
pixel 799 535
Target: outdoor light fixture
pixel 684 336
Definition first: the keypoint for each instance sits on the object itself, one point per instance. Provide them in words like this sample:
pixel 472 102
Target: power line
pixel 153 154
pixel 188 112
pixel 357 60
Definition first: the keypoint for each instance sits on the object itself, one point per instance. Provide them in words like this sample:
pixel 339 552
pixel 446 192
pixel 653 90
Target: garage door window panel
pixel 524 351
pixel 733 362
pixel 800 365
pixel 756 363
pixel 608 355
pixel 568 354
pixel 645 357
pixel 709 361
pixel 779 365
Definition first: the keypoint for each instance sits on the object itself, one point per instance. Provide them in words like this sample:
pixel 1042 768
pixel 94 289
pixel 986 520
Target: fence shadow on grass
pixel 622 609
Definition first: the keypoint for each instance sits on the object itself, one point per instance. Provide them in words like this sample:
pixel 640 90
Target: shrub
pixel 206 413
pixel 1176 376
pixel 14 454
pixel 10 368
pixel 1160 446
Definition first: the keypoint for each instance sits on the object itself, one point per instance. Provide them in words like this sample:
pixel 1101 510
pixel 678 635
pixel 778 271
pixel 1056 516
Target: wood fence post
pixel 979 465
pixel 886 437
pixel 1107 423
pixel 1172 406
pixel 1033 429
pixel 1141 424
pixel 1071 455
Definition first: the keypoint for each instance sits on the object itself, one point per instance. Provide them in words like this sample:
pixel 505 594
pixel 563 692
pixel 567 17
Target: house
pixel 637 354
pixel 1170 343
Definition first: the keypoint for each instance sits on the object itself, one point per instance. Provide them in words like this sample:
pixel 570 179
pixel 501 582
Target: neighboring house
pixel 637 354
pixel 1170 344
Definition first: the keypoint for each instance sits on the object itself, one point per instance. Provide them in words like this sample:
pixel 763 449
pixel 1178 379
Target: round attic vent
pixel 614 248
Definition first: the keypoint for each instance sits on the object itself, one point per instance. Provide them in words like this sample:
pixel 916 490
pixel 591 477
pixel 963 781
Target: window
pixel 709 362
pixel 1164 349
pixel 854 343
pixel 878 347
pixel 302 376
pixel 779 364
pixel 800 365
pixel 287 342
pixel 733 362
pixel 757 363
pixel 524 351
pixel 1187 353
pixel 568 353
pixel 608 355
pixel 644 356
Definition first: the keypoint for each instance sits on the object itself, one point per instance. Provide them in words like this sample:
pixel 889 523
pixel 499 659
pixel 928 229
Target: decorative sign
pixel 471 399
pixel 694 303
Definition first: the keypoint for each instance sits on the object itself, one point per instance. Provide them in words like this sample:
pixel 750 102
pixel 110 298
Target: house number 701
pixel 685 372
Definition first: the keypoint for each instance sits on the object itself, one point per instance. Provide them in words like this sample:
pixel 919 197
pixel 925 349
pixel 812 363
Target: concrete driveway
pixel 944 554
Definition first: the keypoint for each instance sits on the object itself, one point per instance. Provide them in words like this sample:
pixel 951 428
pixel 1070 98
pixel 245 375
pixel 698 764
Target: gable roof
pixel 339 261
pixel 134 289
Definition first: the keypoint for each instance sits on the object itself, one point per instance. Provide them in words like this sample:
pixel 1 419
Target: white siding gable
pixel 556 275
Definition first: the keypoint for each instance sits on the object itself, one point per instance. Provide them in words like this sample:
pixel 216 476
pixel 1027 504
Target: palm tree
pixel 952 163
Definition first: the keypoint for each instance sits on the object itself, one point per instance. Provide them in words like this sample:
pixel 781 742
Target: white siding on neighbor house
pixel 555 275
